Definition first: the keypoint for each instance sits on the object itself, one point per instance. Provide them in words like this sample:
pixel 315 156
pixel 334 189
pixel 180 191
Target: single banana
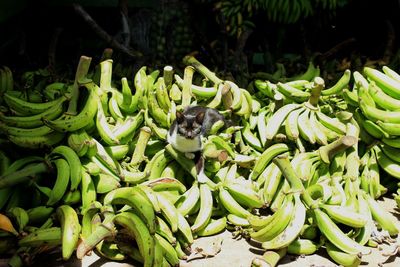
pixel 206 204
pixel 386 163
pixel 305 128
pixel 345 215
pixel 293 93
pixel 388 85
pixel 130 196
pixel 188 200
pixel 30 108
pixel 164 230
pixel 265 158
pixel 302 247
pixel 166 184
pixel 61 183
pixel 244 196
pixel 104 129
pixel 340 257
pixel 331 123
pixel 213 227
pixel 127 129
pixel 42 237
pixel 385 220
pixel 138 230
pixel 291 126
pixel 74 162
pixel 375 114
pixel 335 235
pixel 382 99
pixel 70 123
pixel 169 212
pixel 184 229
pixel 70 228
pixel 169 252
pixel 278 118
pixel 37 142
pixel 339 85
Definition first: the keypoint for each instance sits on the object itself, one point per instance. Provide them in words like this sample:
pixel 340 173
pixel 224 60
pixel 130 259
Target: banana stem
pixel 168 75
pixel 102 231
pixel 227 96
pixel 187 83
pixel 328 151
pixel 283 163
pixel 81 72
pixel 138 154
pixel 317 86
pixel 192 61
pixel 105 82
pixel 23 175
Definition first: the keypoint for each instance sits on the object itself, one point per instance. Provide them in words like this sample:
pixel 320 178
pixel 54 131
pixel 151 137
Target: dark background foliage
pixel 236 38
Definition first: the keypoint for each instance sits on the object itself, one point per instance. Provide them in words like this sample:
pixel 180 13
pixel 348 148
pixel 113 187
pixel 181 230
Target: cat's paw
pixel 189 155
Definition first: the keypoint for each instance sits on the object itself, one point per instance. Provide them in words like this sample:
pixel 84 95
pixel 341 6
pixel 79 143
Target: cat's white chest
pixel 183 144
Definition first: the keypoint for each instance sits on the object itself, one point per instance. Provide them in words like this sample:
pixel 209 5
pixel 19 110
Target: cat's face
pixel 188 125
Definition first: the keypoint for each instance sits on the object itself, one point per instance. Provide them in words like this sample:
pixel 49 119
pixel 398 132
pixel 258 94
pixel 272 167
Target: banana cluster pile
pixel 88 167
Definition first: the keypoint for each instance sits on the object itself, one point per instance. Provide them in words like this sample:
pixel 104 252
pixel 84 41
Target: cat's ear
pixel 200 117
pixel 179 117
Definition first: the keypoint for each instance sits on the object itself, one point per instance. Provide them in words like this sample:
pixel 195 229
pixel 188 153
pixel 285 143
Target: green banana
pixel 382 99
pixel 42 237
pixel 206 204
pixel 138 230
pixel 340 257
pixel 37 142
pixel 169 212
pixel 345 215
pixel 164 230
pixel 265 158
pixel 213 227
pixel 20 216
pixel 26 108
pixel 302 247
pixel 61 183
pixel 73 161
pixel 292 230
pixel 336 236
pixel 388 85
pixel 70 123
pixel 131 196
pixel 278 223
pixel 70 228
pixel 339 85
pixel 276 120
pixel 244 195
pixel 188 200
pixel 169 252
pixel 385 220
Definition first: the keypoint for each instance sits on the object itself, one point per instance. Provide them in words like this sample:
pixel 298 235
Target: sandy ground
pixel 236 253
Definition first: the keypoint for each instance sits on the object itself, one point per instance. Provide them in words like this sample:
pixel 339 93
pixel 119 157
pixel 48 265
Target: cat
pixel 188 130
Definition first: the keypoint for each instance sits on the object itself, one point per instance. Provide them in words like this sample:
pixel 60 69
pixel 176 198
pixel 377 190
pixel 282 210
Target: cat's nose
pixel 189 135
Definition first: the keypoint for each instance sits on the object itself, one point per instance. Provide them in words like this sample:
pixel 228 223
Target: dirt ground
pixel 234 253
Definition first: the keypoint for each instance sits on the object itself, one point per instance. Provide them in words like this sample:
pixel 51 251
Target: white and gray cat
pixel 188 130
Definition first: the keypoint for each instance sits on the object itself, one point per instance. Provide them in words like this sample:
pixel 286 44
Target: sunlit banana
pixel 138 230
pixel 70 228
pixel 335 235
pixel 206 204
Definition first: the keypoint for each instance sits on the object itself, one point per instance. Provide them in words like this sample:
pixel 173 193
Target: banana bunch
pixel 112 184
